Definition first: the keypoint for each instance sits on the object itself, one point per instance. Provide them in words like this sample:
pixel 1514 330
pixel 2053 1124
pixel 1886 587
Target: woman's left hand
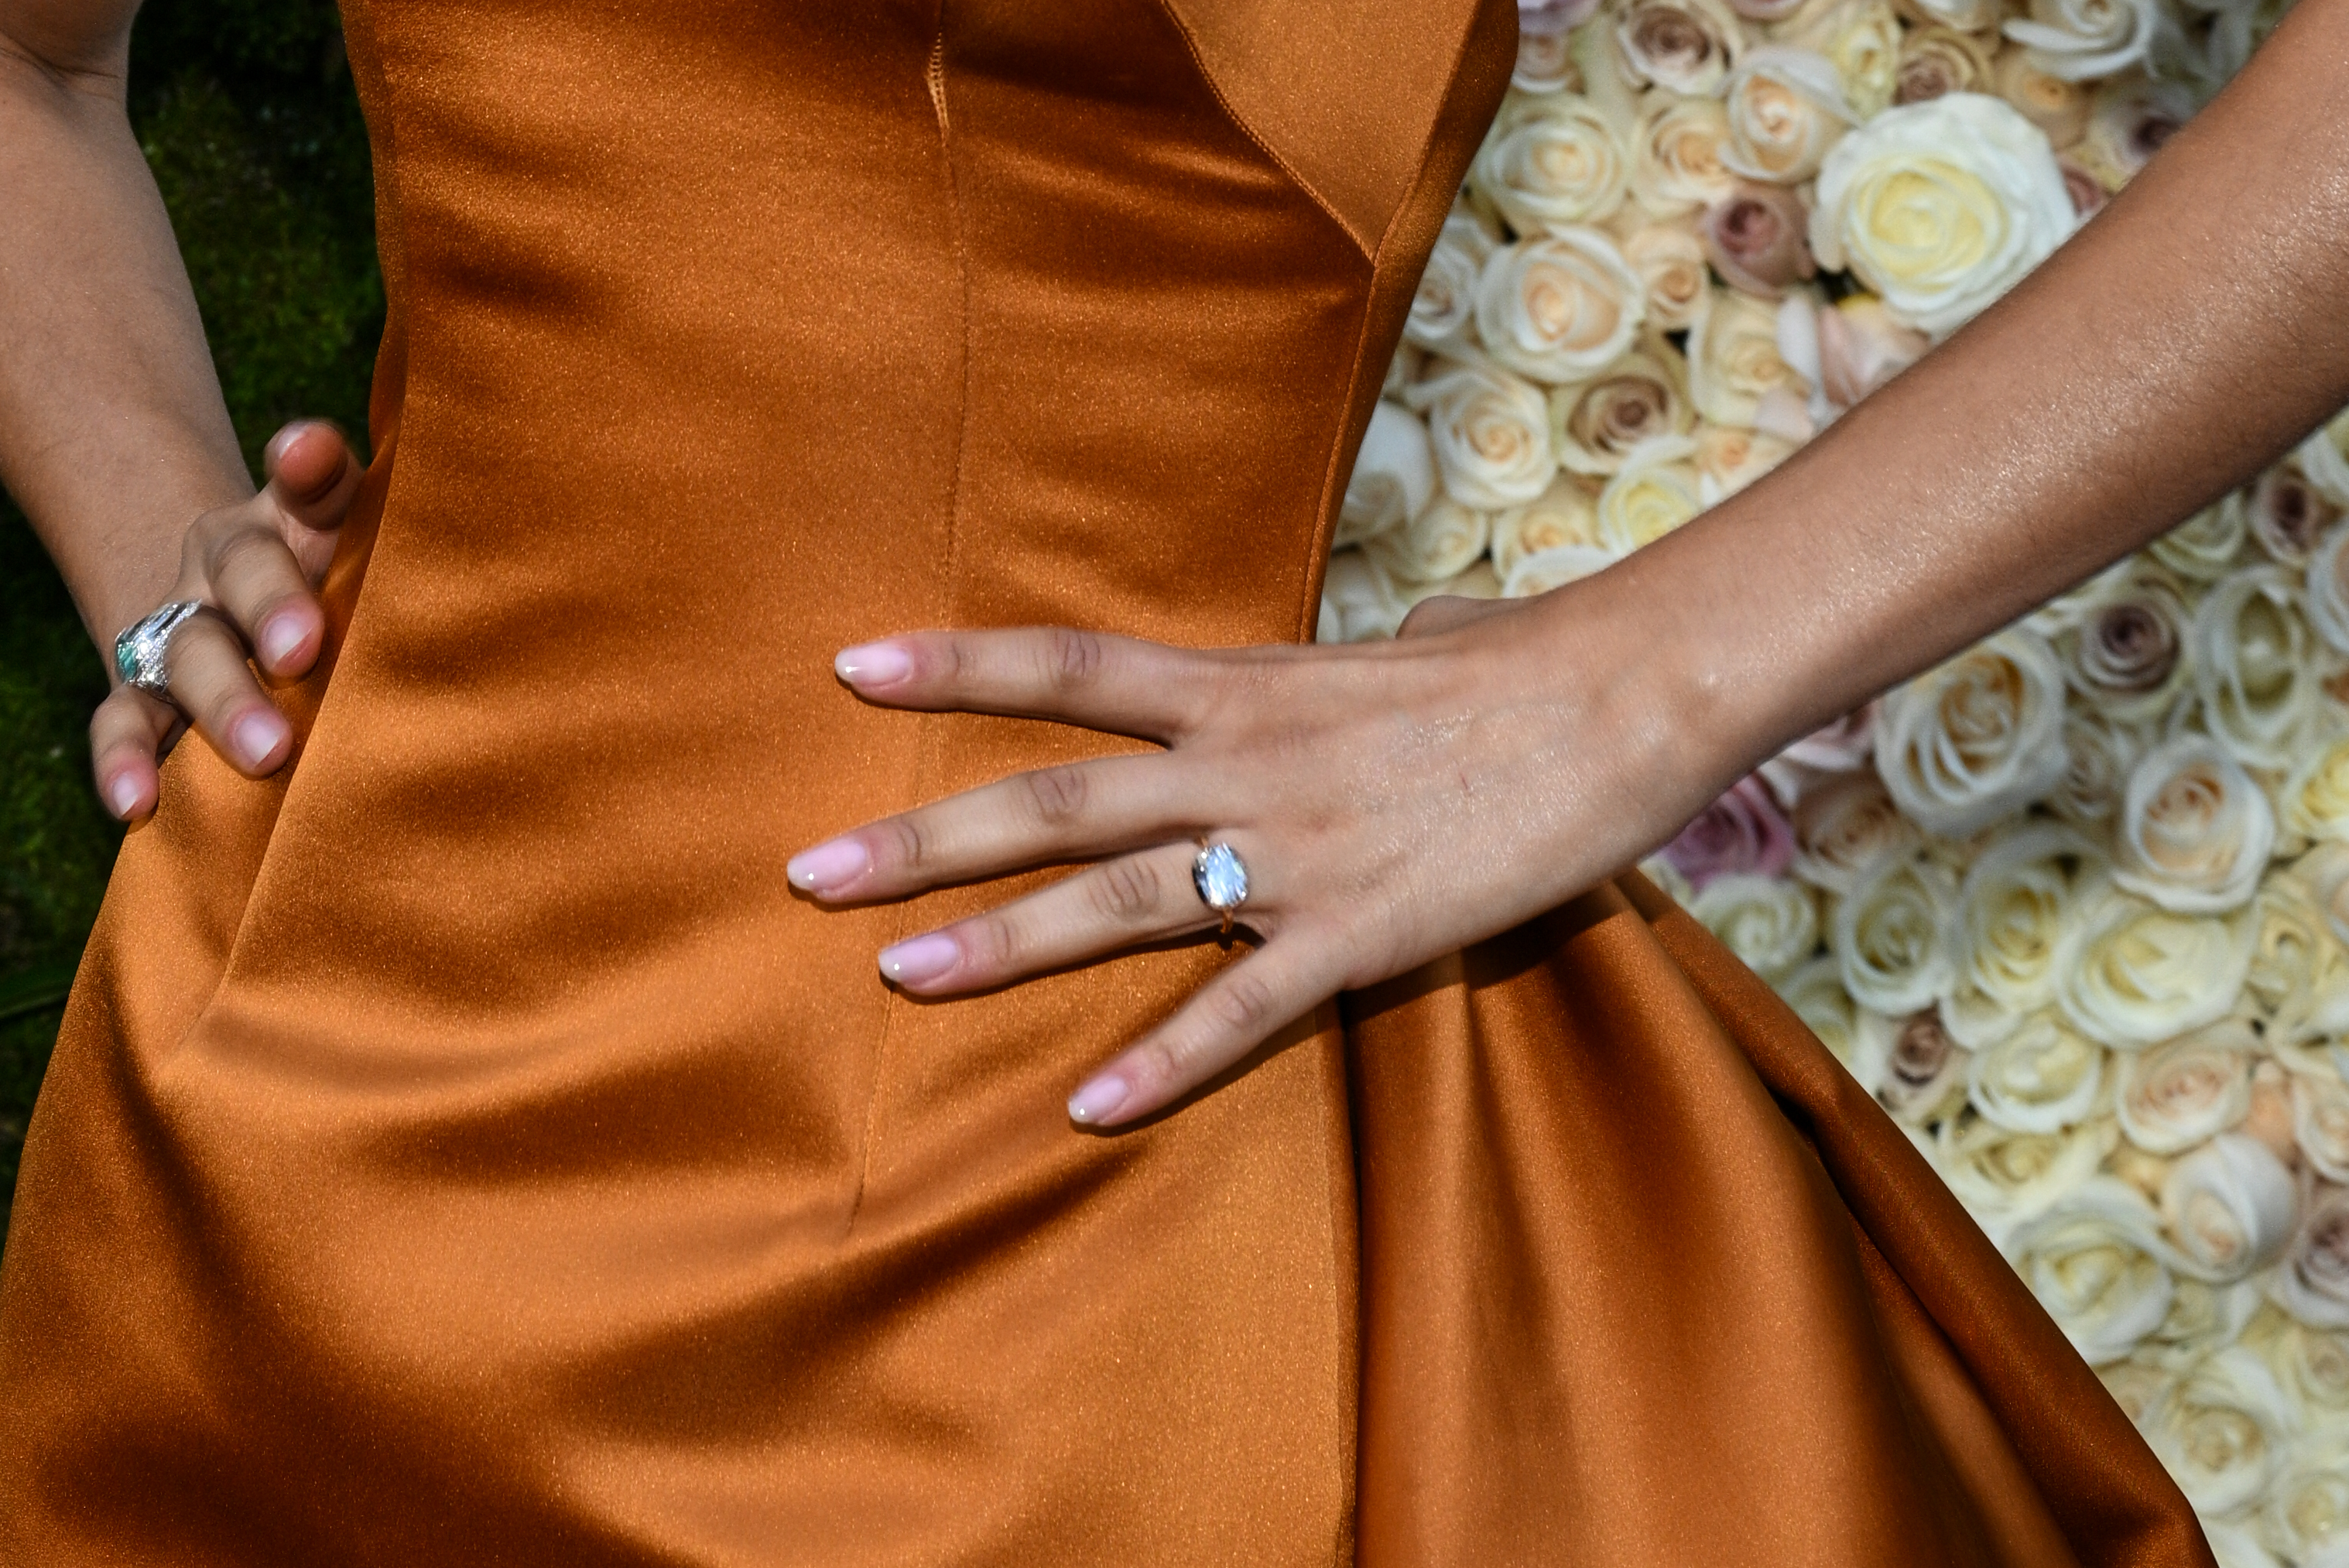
pixel 1390 802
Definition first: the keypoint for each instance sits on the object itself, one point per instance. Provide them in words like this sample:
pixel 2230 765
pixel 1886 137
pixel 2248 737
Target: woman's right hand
pixel 256 566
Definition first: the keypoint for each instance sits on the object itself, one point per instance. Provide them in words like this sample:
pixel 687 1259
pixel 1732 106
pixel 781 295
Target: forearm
pixel 2181 342
pixel 112 433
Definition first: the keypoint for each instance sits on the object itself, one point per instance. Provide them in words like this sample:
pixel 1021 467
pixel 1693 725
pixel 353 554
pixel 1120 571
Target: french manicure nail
pixel 828 866
pixel 923 958
pixel 280 636
pixel 1098 1099
pixel 873 665
pixel 256 735
pixel 123 793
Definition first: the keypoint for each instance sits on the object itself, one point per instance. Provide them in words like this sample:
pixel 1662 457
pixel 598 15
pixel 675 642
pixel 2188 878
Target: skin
pixel 1392 802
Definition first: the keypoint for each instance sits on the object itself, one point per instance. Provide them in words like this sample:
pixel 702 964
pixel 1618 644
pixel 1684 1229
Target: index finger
pixel 1120 685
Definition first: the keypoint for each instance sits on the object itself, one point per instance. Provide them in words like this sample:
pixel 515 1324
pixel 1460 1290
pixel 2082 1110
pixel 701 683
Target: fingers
pixel 211 684
pixel 250 575
pixel 1132 899
pixel 126 734
pixel 1232 1015
pixel 1054 813
pixel 313 475
pixel 1122 685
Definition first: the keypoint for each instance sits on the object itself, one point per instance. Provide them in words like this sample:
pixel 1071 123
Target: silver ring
pixel 142 651
pixel 1221 878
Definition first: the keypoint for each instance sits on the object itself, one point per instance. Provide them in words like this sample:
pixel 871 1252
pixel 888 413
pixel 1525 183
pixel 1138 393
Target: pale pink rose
pixel 1921 1068
pixel 1843 747
pixel 1744 832
pixel 2087 193
pixel 2288 515
pixel 1554 16
pixel 1861 348
pixel 1757 239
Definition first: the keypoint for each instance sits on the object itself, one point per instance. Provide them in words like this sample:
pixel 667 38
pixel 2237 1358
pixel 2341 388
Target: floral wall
pixel 2074 906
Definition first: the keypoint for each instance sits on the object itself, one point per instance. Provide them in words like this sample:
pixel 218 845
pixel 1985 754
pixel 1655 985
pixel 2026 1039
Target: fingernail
pixel 123 794
pixel 874 665
pixel 1098 1099
pixel 280 636
pixel 828 866
pixel 256 735
pixel 923 958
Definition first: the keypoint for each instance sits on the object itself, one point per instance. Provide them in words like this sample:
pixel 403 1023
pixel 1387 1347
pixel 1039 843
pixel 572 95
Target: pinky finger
pixel 127 735
pixel 1232 1015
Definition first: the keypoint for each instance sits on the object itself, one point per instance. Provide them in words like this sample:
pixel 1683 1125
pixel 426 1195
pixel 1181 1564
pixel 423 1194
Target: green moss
pixel 246 113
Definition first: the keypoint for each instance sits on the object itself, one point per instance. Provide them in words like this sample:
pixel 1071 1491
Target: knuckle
pixel 993 941
pixel 1057 795
pixel 1075 658
pixel 1127 890
pixel 1243 1002
pixel 242 555
pixel 908 842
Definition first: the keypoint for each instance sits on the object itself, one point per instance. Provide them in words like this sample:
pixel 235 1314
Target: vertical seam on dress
pixel 935 78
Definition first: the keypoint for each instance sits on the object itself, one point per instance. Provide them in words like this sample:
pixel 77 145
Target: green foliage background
pixel 246 113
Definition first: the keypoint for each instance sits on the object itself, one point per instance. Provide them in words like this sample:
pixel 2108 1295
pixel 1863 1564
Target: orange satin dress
pixel 464 1149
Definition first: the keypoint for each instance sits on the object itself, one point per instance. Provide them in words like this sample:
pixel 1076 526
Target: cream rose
pixel 2203 1318
pixel 1682 46
pixel 1770 923
pixel 1552 162
pixel 1545 62
pixel 1393 478
pixel 2323 456
pixel 1786 109
pixel 1677 145
pixel 1669 263
pixel 2012 911
pixel 2096 1264
pixel 2082 40
pixel 1597 424
pixel 1936 61
pixel 2327 583
pixel 2129 973
pixel 2255 666
pixel 2042 1077
pixel 1563 514
pixel 2056 106
pixel 2195 830
pixel 2221 1434
pixel 1941 207
pixel 2129 120
pixel 2125 650
pixel 2206 546
pixel 2229 1207
pixel 2098 755
pixel 1730 457
pixel 2312 1367
pixel 2170 1097
pixel 1490 430
pixel 2319 1123
pixel 1654 492
pixel 2313 1285
pixel 1858 1037
pixel 1560 307
pixel 1862 38
pixel 2005 1179
pixel 1734 360
pixel 1441 542
pixel 1890 934
pixel 2306 1515
pixel 2313 803
pixel 1359 601
pixel 1981 736
pixel 1444 310
pixel 2300 972
pixel 1843 825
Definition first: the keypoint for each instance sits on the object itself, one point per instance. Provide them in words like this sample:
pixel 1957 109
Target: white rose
pixel 2327 585
pixel 1941 207
pixel 1734 359
pixel 1677 146
pixel 1786 109
pixel 1441 542
pixel 1554 568
pixel 1890 934
pixel 2195 831
pixel 2043 1076
pixel 1862 38
pixel 2306 1516
pixel 1962 15
pixel 1394 477
pixel 2314 800
pixel 2011 910
pixel 1924 1070
pixel 1858 1037
pixel 2229 1207
pixel 2222 1431
pixel 1443 309
pixel 1843 824
pixel 1963 745
pixel 1561 307
pixel 1491 435
pixel 2319 1123
pixel 2256 666
pixel 2129 973
pixel 2313 1282
pixel 2098 755
pixel 2123 647
pixel 1596 424
pixel 1563 514
pixel 2202 1317
pixel 2312 1367
pixel 2081 40
pixel 2206 546
pixel 2299 970
pixel 1770 923
pixel 1682 46
pixel 2137 1386
pixel 1670 265
pixel 2323 456
pixel 2006 1179
pixel 1359 602
pixel 2170 1097
pixel 1651 494
pixel 1551 162
pixel 1730 457
pixel 2096 1263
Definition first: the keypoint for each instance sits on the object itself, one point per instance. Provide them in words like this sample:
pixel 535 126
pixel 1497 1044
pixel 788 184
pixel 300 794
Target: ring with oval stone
pixel 1221 878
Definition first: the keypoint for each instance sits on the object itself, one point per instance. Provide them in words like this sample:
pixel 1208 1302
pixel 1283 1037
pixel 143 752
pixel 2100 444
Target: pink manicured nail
pixel 828 866
pixel 280 636
pixel 923 958
pixel 123 793
pixel 256 735
pixel 1098 1099
pixel 874 665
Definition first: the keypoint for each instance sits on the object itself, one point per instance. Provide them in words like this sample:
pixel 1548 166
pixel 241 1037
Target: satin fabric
pixel 464 1147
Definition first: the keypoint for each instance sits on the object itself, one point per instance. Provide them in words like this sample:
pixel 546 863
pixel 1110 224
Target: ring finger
pixel 1136 898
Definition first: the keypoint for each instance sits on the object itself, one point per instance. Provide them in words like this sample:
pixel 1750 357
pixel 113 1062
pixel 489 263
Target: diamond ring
pixel 1222 880
pixel 142 651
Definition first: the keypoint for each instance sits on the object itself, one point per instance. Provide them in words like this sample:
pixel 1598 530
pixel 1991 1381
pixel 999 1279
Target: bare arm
pixel 112 432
